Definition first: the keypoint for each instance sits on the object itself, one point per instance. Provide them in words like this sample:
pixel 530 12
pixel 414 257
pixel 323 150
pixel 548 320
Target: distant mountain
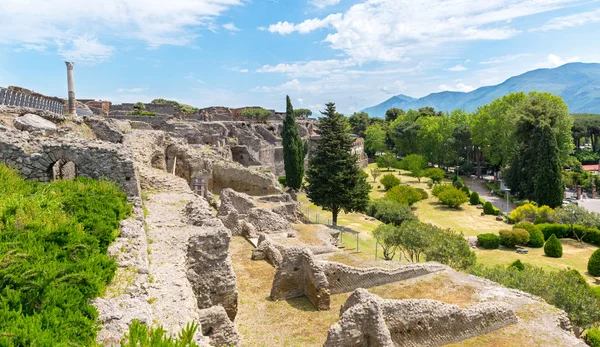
pixel 577 83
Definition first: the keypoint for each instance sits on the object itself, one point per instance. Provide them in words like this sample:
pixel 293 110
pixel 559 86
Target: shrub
pixel 488 208
pixel 511 238
pixel 517 265
pixel 404 195
pixel 140 335
pixel 488 241
pixel 440 188
pixel 390 212
pixel 536 238
pixel 53 261
pixel 553 247
pixel 452 197
pixel 436 175
pixel 450 248
pixel 564 289
pixel 424 194
pixel 560 230
pixel 593 336
pixel 474 199
pixel 389 181
pixel 466 190
pixel 387 236
pixel 594 264
pixel 282 180
pixel 458 184
pixel 527 212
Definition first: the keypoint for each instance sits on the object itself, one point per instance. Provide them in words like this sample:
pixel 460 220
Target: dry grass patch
pixel 510 336
pixel 440 288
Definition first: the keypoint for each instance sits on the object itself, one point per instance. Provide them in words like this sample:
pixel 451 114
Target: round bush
pixel 553 248
pixel 390 212
pixel 517 265
pixel 474 199
pixel 511 238
pixel 488 241
pixel 424 194
pixel 404 195
pixel 458 184
pixel 488 208
pixel 536 238
pixel 594 264
pixel 389 181
pixel 466 190
pixel 452 198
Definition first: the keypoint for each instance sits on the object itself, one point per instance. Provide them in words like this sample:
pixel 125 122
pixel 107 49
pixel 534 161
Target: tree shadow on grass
pixel 302 304
pixel 441 207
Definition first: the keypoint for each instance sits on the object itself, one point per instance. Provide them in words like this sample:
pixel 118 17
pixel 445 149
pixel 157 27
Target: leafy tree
pixel 334 180
pixel 293 149
pixel 594 264
pixel 404 134
pixel 572 215
pixel 450 248
pixel 436 175
pixel 257 113
pixel 452 197
pixel 404 195
pixel 392 114
pixel 415 164
pixel 375 139
pixel 474 199
pixel 553 247
pixel 387 235
pixel 414 239
pixel 302 113
pixel 359 123
pixel 389 181
pixel 391 212
pixel 375 172
pixel 387 160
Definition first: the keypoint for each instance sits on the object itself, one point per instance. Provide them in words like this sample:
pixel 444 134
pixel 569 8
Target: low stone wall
pixel 156 108
pixel 299 274
pixel 36 157
pixel 368 320
pixel 343 278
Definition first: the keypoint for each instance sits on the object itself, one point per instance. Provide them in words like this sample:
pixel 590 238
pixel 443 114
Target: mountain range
pixel 577 83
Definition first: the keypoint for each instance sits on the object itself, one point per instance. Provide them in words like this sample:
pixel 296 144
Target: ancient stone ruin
pixel 367 320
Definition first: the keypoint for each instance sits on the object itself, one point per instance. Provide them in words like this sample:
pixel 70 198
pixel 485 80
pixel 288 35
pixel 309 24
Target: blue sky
pixel 241 52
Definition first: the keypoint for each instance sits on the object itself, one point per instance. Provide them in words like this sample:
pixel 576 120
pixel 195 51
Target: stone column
pixel 71 83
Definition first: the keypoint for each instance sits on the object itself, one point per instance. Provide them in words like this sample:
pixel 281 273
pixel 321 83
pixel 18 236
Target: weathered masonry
pixel 11 97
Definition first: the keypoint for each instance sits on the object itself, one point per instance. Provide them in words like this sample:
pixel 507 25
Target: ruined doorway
pixel 64 170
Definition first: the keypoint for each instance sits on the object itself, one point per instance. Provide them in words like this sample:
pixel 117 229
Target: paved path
pixel 484 193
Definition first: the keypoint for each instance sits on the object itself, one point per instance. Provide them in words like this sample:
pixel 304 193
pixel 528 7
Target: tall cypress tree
pixel 334 180
pixel 548 184
pixel 293 149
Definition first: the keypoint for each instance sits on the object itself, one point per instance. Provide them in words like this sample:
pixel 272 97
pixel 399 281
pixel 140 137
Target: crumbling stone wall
pixel 35 158
pixel 299 274
pixel 343 278
pixel 367 320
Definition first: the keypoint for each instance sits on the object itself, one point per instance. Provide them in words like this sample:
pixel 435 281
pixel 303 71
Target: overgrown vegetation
pixel 184 108
pixel 257 113
pixel 53 243
pixel 140 335
pixel 139 109
pixel 565 289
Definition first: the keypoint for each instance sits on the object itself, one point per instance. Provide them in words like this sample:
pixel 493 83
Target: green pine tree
pixel 293 149
pixel 334 180
pixel 548 184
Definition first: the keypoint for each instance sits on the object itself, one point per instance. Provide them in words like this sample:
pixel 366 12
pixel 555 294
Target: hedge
pixel 563 231
pixel 594 264
pixel 488 241
pixel 536 238
pixel 511 238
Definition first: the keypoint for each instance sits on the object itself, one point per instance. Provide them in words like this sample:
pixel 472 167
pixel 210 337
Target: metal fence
pixel 16 98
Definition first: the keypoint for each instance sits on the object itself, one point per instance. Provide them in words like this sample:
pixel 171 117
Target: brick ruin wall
pixel 35 158
pixel 167 109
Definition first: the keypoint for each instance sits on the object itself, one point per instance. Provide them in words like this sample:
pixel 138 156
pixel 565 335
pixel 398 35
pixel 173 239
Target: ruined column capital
pixel 69 65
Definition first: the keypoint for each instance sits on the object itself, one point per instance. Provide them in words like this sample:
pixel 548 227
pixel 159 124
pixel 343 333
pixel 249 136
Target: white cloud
pixel 553 61
pixel 244 70
pixel 131 90
pixel 573 20
pixel 458 87
pixel 301 101
pixel 31 47
pixel 314 68
pixel 85 50
pixel 324 3
pixel 388 30
pixel 305 27
pixel 457 68
pixel 230 27
pixel 43 21
pixel 504 59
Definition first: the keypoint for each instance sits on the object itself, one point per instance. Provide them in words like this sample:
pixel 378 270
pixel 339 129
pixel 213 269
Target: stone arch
pixel 63 169
pixel 175 159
